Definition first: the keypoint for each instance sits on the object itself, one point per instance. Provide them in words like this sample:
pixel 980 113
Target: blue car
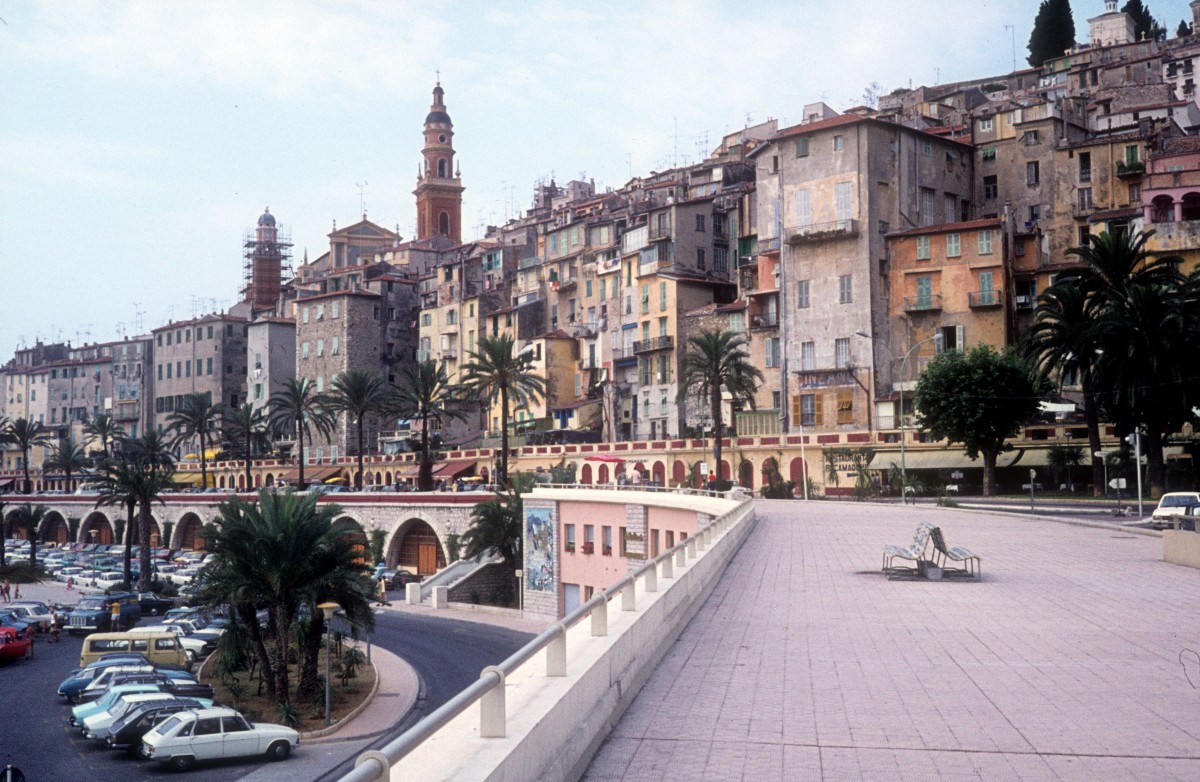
pixel 9 618
pixel 82 677
pixel 78 713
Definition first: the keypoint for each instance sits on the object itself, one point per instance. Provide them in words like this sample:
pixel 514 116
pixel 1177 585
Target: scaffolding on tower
pixel 267 261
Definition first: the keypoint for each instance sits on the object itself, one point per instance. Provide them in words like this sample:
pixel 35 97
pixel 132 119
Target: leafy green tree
pixel 718 361
pixel 494 373
pixel 300 409
pixel 425 394
pixel 26 435
pixel 496 523
pixel 1065 340
pixel 29 517
pixel 69 459
pixel 105 429
pixel 1053 31
pixel 359 394
pixel 196 419
pixel 979 399
pixel 281 552
pixel 245 428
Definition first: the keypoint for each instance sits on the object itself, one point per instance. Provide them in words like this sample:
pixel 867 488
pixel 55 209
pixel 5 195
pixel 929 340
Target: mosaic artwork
pixel 539 547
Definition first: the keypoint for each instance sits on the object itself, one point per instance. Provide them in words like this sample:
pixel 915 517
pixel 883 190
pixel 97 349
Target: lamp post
pixel 1070 473
pixel 327 609
pixel 937 340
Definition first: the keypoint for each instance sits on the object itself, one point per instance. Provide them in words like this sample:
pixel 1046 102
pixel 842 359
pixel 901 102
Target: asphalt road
pixel 34 736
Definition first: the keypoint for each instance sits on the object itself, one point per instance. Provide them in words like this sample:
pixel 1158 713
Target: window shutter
pixel 796 409
pixel 818 410
pixel 958 338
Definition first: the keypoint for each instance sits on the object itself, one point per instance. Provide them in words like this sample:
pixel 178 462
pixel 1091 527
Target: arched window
pixel 443 167
pixel 444 223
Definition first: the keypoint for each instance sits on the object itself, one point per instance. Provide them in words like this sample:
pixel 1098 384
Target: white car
pixel 32 611
pixel 1174 504
pixel 210 734
pixel 95 726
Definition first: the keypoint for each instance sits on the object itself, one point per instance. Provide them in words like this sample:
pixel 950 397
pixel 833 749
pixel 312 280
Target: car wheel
pixel 279 750
pixel 153 612
pixel 181 762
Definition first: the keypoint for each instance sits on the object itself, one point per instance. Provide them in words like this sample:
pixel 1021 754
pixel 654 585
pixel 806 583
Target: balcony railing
pixel 1133 169
pixel 623 354
pixel 820 232
pixel 930 303
pixel 660 232
pixel 654 343
pixel 764 322
pixel 992 298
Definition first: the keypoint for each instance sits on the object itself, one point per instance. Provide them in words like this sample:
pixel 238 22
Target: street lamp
pixel 1070 480
pixel 327 609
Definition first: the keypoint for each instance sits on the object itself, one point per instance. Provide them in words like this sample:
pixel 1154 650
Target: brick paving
pixel 807 663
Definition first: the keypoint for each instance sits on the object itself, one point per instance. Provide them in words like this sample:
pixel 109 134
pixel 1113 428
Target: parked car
pixel 84 710
pixel 95 612
pixel 195 647
pixel 137 674
pixel 210 734
pixel 127 731
pixel 14 645
pixel 1174 504
pixel 153 605
pixel 95 726
pixel 81 677
pixel 36 614
pixel 399 579
pixel 10 618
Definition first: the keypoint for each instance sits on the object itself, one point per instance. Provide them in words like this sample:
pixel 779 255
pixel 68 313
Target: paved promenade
pixel 807 663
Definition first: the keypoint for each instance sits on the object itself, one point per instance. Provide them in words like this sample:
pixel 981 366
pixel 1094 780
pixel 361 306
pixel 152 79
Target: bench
pixel 943 553
pixel 914 551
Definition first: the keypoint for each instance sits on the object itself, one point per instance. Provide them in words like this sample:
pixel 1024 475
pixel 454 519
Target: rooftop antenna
pixel 137 316
pixel 362 203
pixel 1013 32
pixel 675 144
pixel 121 328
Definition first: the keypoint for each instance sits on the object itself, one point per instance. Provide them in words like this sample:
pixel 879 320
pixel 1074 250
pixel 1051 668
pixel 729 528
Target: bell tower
pixel 439 187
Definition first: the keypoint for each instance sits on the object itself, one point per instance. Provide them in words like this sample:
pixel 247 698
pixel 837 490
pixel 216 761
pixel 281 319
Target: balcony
pixel 529 263
pixel 824 232
pixel 565 286
pixel 659 233
pixel 764 322
pixel 983 299
pixel 1130 170
pixel 930 303
pixel 622 355
pixel 654 343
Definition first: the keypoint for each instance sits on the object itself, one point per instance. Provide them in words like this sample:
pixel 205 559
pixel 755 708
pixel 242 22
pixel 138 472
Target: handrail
pixel 488 689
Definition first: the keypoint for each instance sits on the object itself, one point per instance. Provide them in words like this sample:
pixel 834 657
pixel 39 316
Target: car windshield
pixel 1181 501
pixel 90 603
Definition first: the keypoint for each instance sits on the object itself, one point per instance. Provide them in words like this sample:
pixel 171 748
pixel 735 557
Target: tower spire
pixel 439 188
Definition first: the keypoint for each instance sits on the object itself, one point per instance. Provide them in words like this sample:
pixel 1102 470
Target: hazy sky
pixel 140 141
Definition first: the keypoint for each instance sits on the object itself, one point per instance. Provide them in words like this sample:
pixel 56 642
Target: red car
pixel 14 645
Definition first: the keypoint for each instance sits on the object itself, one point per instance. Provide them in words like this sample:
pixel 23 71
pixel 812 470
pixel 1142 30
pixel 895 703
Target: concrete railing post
pixel 600 619
pixel 652 574
pixel 702 540
pixel 412 594
pixel 491 707
pixel 628 597
pixel 680 557
pixel 556 654
pixel 690 547
pixel 441 597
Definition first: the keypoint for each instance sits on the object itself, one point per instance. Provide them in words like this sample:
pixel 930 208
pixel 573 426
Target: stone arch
pixel 658 473
pixel 96 522
pixel 187 533
pixel 679 472
pixel 797 471
pixel 241 481
pixel 746 474
pixel 352 529
pixel 258 480
pixel 415 546
pixel 1162 209
pixel 443 167
pixel 221 482
pixel 270 479
pixel 483 473
pixel 378 478
pixel 602 474
pixel 444 223
pixel 54 529
pixel 770 463
pixel 1191 206
pixel 387 478
pixel 11 530
pixel 725 473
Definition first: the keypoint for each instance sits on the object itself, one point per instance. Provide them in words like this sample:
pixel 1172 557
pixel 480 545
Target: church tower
pixel 439 188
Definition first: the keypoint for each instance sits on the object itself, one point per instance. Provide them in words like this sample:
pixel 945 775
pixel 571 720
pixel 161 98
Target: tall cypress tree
pixel 1144 24
pixel 1053 31
pixel 1183 30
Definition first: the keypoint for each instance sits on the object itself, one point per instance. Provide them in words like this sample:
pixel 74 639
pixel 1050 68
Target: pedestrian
pixel 54 631
pixel 17 592
pixel 4 591
pixel 70 583
pixel 115 620
pixel 30 633
pixel 381 591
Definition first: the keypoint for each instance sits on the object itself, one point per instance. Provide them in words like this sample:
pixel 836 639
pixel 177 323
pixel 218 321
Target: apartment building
pixel 205 355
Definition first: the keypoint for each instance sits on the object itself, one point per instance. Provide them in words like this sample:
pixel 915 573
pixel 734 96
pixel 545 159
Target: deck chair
pixel 914 551
pixel 943 553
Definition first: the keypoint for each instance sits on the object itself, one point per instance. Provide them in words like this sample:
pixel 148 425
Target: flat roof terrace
pixel 806 662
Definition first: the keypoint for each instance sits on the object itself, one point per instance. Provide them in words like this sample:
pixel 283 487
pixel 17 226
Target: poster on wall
pixel 539 547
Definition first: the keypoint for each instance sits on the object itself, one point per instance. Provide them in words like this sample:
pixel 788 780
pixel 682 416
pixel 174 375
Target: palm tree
pixel 495 374
pixel 280 552
pixel 1062 459
pixel 719 360
pixel 105 429
pixel 137 479
pixel 358 393
pixel 496 524
pixel 244 427
pixel 29 517
pixel 196 418
pixel 5 440
pixel 1146 332
pixel 69 459
pixel 425 393
pixel 25 434
pixel 1065 339
pixel 299 408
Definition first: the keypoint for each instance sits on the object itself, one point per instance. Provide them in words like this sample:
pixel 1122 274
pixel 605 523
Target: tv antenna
pixel 362 202
pixel 1012 29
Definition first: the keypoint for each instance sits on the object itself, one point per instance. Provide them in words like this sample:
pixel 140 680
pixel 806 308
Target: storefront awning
pixel 7 483
pixel 193 478
pixel 603 457
pixel 447 470
pixel 312 474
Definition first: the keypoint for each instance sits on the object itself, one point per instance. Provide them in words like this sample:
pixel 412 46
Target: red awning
pixel 442 470
pixel 604 457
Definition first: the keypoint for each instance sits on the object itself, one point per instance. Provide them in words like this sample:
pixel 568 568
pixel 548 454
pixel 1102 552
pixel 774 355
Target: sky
pixel 140 141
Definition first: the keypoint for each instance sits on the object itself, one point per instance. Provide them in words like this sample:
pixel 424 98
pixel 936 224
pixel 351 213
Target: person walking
pixel 4 591
pixel 381 591
pixel 54 630
pixel 17 592
pixel 70 583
